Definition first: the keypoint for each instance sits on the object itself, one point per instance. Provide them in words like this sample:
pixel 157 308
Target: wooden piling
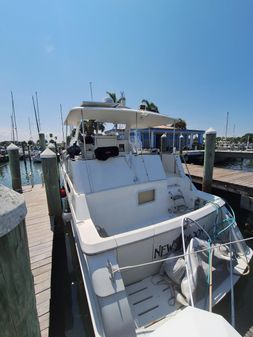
pixel 51 179
pixel 163 143
pixel 23 151
pixel 17 297
pixel 13 153
pixel 51 146
pixel 181 137
pixel 209 160
pixel 42 141
pixel 29 153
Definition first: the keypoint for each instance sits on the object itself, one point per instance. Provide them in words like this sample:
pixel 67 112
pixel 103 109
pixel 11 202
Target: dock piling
pixel 209 160
pixel 181 137
pixel 163 143
pixel 42 141
pixel 51 180
pixel 17 296
pixel 13 153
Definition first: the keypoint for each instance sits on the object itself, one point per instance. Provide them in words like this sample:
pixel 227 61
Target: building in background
pixel 151 138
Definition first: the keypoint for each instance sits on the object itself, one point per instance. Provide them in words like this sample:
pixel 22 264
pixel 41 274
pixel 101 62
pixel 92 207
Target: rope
pixel 187 168
pixel 180 255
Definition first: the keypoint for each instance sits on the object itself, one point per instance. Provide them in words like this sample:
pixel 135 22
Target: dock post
pixel 42 141
pixel 209 160
pixel 23 151
pixel 51 146
pixel 13 153
pixel 181 137
pixel 51 180
pixel 163 143
pixel 17 296
pixel 29 153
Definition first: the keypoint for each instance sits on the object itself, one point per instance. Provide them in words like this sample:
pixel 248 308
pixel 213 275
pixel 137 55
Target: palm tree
pixel 180 124
pixel 114 96
pixel 150 106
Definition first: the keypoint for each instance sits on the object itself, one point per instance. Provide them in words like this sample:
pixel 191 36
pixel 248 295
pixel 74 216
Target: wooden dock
pixel 40 240
pixel 239 182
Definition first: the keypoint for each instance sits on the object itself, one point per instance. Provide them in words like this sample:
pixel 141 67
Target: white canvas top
pixel 193 322
pixel 139 119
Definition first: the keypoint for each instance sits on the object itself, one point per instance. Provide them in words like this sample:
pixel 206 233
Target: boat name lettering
pixel 164 250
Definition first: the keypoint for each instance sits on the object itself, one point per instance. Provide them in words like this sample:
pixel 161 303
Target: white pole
pixel 84 144
pixel 174 134
pixel 226 132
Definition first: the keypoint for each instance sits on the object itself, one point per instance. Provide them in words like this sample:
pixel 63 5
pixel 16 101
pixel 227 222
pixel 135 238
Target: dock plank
pixel 226 179
pixel 40 240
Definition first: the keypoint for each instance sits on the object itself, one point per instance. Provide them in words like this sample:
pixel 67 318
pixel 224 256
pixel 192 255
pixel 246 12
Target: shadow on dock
pixel 69 312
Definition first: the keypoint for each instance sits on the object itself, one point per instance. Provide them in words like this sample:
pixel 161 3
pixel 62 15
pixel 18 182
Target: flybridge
pixel 140 119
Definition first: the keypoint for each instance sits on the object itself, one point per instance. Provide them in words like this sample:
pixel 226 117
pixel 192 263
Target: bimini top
pixel 140 119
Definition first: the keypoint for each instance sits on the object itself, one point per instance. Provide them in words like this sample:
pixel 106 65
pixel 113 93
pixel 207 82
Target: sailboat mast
pixel 36 117
pixel 30 129
pixel 12 130
pixel 226 132
pixel 62 123
pixel 14 117
pixel 37 107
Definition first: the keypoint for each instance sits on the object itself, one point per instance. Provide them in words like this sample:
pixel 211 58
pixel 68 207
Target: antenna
pixel 14 118
pixel 37 107
pixel 91 92
pixel 62 123
pixel 226 132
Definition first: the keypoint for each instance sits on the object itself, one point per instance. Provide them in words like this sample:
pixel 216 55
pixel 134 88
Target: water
pixel 245 165
pixel 31 173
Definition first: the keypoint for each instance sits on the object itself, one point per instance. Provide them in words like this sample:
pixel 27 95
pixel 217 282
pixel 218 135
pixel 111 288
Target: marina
pixel 126 169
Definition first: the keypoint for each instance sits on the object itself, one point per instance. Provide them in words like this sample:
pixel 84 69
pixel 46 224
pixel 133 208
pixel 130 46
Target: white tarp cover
pixel 193 322
pixel 132 118
pixel 198 265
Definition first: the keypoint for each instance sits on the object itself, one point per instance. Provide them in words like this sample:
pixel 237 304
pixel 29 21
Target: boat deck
pixel 151 300
pixel 40 240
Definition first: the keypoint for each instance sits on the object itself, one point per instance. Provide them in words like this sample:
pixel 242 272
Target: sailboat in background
pixel 36 153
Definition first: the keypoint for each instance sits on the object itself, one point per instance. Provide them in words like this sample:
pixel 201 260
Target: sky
pixel 192 58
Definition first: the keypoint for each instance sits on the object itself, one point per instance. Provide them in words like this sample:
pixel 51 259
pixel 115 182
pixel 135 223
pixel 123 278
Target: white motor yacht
pixel 150 245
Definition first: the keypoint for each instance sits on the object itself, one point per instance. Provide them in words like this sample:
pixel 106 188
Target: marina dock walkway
pixel 40 240
pixel 235 181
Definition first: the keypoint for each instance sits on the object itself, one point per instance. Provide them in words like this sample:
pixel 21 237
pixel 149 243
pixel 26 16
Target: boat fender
pixel 103 153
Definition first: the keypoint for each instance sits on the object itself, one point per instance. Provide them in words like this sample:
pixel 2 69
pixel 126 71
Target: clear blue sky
pixel 193 58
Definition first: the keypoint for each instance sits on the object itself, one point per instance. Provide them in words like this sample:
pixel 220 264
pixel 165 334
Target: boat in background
pixel 149 243
pixel 36 156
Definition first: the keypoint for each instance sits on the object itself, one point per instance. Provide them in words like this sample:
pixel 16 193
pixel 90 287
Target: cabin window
pixel 146 196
